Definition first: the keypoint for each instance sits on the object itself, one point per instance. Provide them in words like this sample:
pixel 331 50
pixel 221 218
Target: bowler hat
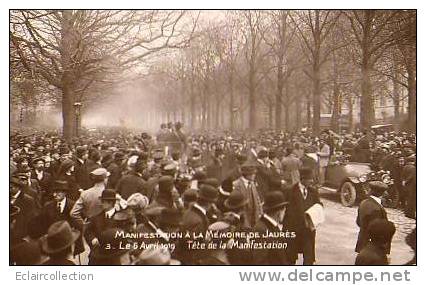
pixel 190 195
pixel 165 184
pixel 274 200
pixel 212 182
pixel 235 201
pixel 208 193
pixel 37 159
pixel 59 237
pixel 60 186
pixel 108 195
pixel 248 167
pixel 80 150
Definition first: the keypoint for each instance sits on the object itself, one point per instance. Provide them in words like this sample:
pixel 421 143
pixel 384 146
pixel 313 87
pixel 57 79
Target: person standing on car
pixel 323 159
pixel 369 210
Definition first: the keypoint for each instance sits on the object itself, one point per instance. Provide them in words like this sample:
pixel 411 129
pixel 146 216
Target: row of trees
pixel 286 67
pixel 229 69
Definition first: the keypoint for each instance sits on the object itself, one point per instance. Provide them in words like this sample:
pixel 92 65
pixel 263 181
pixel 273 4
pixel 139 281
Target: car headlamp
pixel 363 178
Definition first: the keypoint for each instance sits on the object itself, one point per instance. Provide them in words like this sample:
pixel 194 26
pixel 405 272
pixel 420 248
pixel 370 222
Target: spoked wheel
pixel 348 194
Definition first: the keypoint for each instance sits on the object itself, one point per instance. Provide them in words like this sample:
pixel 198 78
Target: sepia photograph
pixel 212 137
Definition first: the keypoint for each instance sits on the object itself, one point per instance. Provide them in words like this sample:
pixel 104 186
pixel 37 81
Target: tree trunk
pixel 252 100
pixel 278 96
pixel 336 108
pixel 412 99
pixel 351 113
pixel 396 100
pixel 271 115
pixel 298 112
pixel 367 102
pixel 217 113
pixel 68 95
pixel 231 100
pixel 316 99
pixel 308 111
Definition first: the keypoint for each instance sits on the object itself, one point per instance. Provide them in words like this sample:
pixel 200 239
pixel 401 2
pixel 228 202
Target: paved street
pixel 336 238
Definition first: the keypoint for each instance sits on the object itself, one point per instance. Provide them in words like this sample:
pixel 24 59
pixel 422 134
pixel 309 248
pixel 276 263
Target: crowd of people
pixel 122 198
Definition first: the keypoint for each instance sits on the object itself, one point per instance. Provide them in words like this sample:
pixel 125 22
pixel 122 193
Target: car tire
pixel 348 194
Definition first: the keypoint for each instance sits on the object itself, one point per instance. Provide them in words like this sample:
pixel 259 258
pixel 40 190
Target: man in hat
pixel 234 174
pixel 108 250
pixel 247 186
pixel 89 205
pixel 370 209
pixel 30 186
pixel 132 182
pixel 59 243
pixel 290 166
pixel 43 178
pixel 196 219
pixel 82 174
pixel 116 168
pixel 25 203
pixel 103 220
pixel 235 204
pixel 60 207
pixel 272 222
pixel 167 194
pixel 302 196
pixel 217 168
pixel 125 219
pixel 380 232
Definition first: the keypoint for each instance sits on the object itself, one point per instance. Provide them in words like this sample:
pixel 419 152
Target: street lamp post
pixel 77 109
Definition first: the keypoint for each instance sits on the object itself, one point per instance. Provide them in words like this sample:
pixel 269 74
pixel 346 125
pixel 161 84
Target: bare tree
pixel 314 28
pixel 73 49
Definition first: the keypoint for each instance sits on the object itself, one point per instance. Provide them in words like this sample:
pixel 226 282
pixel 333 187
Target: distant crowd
pixel 114 197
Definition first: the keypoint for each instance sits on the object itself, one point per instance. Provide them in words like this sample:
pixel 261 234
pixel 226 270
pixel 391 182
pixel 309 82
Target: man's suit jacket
pixel 97 225
pixel 116 173
pixel 44 182
pixel 268 179
pixel 51 214
pixel 295 219
pixel 28 209
pixel 81 174
pixel 291 165
pixel 87 206
pixel 269 256
pixel 253 209
pixel 58 261
pixel 195 221
pixel 372 255
pixel 368 211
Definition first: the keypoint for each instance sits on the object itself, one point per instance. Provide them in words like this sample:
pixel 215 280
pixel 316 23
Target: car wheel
pixel 347 194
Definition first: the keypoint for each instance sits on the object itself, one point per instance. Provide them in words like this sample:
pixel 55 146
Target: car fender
pixel 354 180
